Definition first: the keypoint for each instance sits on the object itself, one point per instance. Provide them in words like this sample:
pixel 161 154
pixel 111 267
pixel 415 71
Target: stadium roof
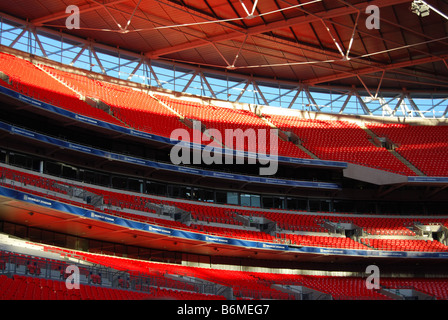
pixel 324 44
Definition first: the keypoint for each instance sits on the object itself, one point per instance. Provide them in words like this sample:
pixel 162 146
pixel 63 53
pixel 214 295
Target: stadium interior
pixel 360 141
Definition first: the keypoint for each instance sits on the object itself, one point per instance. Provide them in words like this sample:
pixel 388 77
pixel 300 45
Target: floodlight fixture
pixel 422 9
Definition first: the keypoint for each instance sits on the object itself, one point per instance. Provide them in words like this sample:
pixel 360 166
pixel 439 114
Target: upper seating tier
pixel 333 140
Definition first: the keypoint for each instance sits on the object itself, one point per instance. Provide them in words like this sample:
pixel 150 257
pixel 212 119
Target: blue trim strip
pixel 56 205
pixel 417 179
pixel 163 166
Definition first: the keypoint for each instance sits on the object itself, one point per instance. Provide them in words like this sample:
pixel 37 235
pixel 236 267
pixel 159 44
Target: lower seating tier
pixel 245 284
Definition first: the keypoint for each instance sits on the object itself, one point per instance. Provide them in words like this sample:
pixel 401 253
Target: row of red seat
pixel 154 280
pixel 21 287
pixel 405 245
pixel 222 119
pixel 437 288
pixel 325 241
pixel 424 146
pixel 340 141
pixel 34 265
pixel 28 79
pixel 258 285
pixel 342 288
pixel 156 276
pixel 234 232
pixel 137 109
pixel 291 221
pixel 242 283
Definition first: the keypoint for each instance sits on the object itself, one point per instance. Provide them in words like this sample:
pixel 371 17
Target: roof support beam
pixel 63 14
pixel 98 60
pixel 17 38
pixel 347 100
pixel 150 71
pixel 210 89
pixel 78 54
pixel 446 112
pixel 39 43
pixel 365 108
pixel 259 92
pixel 135 69
pixel 398 105
pixel 382 68
pixel 248 81
pixel 311 100
pixel 299 90
pixel 190 81
pixel 334 13
pixel 414 105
